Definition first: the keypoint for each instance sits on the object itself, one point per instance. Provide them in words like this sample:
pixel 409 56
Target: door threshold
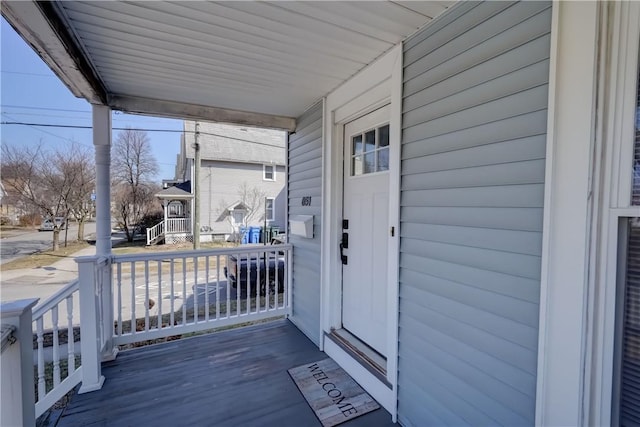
pixel 370 359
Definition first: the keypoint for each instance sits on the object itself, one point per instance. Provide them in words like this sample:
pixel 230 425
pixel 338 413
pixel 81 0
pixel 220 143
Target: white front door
pixel 366 208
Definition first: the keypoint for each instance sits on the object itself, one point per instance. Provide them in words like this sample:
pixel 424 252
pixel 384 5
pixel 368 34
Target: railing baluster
pixel 71 352
pixel 184 291
pixel 218 287
pixel 195 289
pixel 40 340
pixel 171 282
pixel 147 303
pixel 159 294
pixel 56 347
pixel 134 322
pixel 206 288
pixel 228 308
pixel 239 284
pixel 119 286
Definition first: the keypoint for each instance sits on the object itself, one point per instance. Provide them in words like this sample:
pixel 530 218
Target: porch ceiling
pixel 211 60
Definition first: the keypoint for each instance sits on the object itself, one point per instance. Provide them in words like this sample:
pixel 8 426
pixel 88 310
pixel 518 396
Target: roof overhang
pixel 251 63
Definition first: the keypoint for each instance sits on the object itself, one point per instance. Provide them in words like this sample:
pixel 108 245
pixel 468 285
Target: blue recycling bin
pixel 245 234
pixel 254 234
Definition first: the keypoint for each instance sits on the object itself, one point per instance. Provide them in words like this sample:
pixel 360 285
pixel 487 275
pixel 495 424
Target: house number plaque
pixel 306 201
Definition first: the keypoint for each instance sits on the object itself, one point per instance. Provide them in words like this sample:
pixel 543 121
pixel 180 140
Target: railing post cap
pixel 17 307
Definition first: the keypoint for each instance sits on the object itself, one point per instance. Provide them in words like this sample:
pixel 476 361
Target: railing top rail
pixel 55 299
pixel 158 256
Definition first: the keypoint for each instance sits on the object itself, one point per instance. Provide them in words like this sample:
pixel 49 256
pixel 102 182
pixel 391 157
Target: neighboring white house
pixel 242 176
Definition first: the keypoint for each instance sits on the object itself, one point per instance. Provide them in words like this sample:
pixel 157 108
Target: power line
pixel 138 129
pixel 25 74
pixel 25 107
pixel 49 133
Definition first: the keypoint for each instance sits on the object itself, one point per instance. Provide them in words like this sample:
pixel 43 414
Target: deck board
pixel 231 378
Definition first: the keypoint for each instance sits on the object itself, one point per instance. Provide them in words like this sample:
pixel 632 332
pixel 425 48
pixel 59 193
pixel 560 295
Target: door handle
pixel 343 257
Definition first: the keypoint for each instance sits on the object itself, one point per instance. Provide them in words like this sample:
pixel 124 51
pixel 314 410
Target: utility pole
pixel 196 190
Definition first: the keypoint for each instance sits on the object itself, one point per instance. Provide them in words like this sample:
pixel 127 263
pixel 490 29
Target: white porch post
pixel 567 214
pixel 90 327
pixel 17 395
pixel 102 144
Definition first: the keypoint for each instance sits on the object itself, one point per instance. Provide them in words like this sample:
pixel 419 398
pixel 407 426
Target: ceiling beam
pixel 180 110
pixel 41 27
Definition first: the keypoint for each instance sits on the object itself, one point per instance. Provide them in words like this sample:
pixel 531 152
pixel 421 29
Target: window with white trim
pixel 269 172
pixel 617 292
pixel 270 209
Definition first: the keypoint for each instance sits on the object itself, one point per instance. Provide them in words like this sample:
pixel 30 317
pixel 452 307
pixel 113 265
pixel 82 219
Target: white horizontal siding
pixel 472 163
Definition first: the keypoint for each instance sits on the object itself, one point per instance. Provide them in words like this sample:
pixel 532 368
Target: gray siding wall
pixel 473 159
pixel 305 179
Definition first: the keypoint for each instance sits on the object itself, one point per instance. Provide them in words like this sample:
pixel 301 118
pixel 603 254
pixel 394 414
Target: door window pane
pixel 357 144
pixel 370 141
pixel 383 159
pixel 370 162
pixel 356 168
pixel 383 136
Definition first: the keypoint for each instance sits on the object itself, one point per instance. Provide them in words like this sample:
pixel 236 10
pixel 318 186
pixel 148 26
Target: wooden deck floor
pixel 232 378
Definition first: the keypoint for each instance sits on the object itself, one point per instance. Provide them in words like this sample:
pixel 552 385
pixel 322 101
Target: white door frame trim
pixel 378 84
pixel 567 213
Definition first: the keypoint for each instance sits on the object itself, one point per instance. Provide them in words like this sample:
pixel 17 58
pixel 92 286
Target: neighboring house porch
pixel 176 227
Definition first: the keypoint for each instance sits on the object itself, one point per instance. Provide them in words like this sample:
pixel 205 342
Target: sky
pixel 30 92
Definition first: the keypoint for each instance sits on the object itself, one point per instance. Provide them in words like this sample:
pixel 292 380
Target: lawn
pixel 44 258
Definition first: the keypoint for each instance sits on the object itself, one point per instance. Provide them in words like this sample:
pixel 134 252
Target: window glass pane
pixel 357 144
pixel 383 159
pixel 370 162
pixel 356 167
pixel 383 136
pixel 629 400
pixel 635 192
pixel 268 172
pixel 370 141
pixel 269 209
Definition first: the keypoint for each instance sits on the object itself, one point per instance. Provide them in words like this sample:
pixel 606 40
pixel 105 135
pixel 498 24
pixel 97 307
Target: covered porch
pixel 502 134
pixel 232 378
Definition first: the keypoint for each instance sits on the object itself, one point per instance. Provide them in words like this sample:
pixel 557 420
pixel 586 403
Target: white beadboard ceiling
pixel 274 58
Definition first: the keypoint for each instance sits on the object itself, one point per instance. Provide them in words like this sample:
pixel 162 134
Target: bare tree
pixel 253 200
pixel 79 164
pixel 134 167
pixel 42 179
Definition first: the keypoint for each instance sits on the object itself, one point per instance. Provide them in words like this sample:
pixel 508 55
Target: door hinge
pixel 393 231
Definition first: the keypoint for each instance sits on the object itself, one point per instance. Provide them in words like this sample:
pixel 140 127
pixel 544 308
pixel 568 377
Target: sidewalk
pixel 41 282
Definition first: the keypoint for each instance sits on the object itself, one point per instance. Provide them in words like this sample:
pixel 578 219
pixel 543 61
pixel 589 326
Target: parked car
pixel 270 267
pixel 48 224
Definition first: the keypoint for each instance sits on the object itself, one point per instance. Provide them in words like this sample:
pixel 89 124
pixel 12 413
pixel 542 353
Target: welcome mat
pixel 332 394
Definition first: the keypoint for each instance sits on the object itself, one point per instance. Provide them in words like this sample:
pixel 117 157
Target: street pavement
pixel 18 243
pixel 40 282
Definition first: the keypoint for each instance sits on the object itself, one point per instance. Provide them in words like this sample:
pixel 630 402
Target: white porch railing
pixel 155 232
pixel 126 299
pixel 58 367
pixel 178 225
pixel 166 294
